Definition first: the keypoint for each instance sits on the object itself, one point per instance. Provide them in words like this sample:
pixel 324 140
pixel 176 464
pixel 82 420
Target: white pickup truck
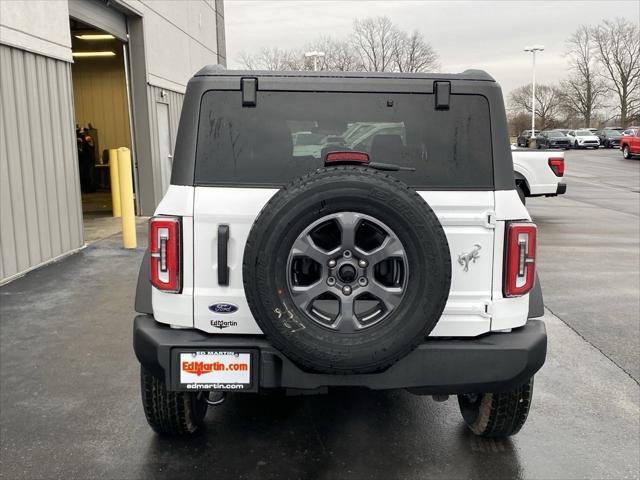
pixel 538 172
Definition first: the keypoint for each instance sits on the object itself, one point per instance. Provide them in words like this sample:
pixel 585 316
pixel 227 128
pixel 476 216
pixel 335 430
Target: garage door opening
pixel 101 104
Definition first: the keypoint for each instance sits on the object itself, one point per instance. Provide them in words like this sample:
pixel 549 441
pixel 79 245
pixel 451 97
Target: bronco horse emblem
pixel 472 256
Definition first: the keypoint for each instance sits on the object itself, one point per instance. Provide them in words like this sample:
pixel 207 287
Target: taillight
pixel 165 249
pixel 557 165
pixel 520 259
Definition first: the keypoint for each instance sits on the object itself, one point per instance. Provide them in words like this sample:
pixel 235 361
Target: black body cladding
pixel 490 363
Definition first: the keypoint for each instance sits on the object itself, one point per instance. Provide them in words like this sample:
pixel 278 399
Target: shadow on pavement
pixel 346 434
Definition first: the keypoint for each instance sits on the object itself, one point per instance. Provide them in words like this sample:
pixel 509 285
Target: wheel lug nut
pixel 362 281
pixel 346 290
pixel 346 254
pixel 332 263
pixel 331 281
pixel 362 263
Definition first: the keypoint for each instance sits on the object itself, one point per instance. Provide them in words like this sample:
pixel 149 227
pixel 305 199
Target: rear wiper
pixel 390 167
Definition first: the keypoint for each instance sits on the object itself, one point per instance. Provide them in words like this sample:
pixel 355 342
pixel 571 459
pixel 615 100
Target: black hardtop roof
pixel 218 78
pixel 219 70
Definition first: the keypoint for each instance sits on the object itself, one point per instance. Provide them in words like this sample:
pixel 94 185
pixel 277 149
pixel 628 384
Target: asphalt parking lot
pixel 590 259
pixel 69 398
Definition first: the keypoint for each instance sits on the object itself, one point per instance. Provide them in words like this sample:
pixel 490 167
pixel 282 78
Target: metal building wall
pixel 174 100
pixel 40 207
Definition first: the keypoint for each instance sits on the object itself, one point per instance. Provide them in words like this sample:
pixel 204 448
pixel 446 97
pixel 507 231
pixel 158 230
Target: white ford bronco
pixel 340 229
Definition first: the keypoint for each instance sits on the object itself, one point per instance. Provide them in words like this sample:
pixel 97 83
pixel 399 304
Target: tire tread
pixel 501 414
pixel 169 413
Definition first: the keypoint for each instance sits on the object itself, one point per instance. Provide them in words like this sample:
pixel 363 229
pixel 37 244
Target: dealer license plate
pixel 215 370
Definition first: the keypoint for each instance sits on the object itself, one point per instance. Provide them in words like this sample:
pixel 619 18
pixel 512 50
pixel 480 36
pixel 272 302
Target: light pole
pixel 315 55
pixel 533 49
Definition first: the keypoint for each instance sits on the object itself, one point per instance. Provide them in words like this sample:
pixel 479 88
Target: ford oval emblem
pixel 223 308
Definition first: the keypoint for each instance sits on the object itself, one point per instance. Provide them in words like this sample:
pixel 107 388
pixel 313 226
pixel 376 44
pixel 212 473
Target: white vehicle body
pixel 532 167
pixel 471 220
pixel 400 258
pixel 583 139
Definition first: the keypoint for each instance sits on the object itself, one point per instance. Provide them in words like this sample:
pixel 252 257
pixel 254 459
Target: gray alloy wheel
pixel 625 152
pixel 356 283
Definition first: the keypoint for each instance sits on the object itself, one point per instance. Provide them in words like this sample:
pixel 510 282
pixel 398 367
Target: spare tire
pixel 346 270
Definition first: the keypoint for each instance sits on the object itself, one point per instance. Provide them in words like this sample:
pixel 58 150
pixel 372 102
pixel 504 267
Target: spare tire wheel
pixel 346 270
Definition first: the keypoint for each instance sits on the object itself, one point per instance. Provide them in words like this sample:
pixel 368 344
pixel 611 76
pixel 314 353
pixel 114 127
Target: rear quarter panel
pixel 171 308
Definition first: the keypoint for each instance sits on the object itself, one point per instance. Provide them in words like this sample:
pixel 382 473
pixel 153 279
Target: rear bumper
pixel 561 189
pixel 489 363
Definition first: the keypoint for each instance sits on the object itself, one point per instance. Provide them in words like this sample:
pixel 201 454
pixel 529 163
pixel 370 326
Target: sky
pixel 489 35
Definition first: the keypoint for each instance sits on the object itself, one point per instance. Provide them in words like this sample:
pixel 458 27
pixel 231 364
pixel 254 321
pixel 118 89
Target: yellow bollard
pixel 115 182
pixel 126 198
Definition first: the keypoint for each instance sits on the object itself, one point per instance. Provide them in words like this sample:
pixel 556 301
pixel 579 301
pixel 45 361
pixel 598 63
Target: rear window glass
pixel 288 134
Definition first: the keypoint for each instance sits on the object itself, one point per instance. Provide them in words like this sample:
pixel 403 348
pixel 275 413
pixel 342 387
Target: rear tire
pixel 625 152
pixel 575 145
pixel 171 413
pixel 497 414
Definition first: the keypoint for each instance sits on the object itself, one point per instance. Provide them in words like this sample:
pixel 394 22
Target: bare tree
pixel 375 45
pixel 548 104
pixel 412 54
pixel 273 59
pixel 617 45
pixel 584 90
pixel 248 61
pixel 374 40
pixel 517 122
pixel 339 55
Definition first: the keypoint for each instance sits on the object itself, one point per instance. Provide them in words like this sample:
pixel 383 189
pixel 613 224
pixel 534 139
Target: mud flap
pixel 536 304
